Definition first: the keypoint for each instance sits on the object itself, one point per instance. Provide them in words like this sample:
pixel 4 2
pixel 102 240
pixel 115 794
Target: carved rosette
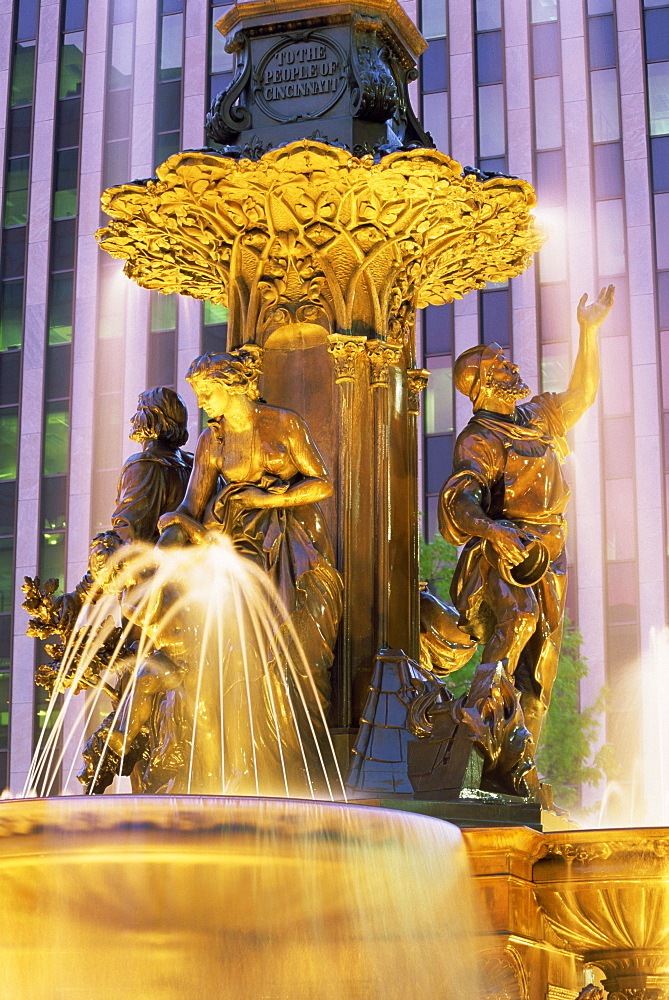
pixel 309 239
pixel 345 350
pixel 417 379
pixel 381 356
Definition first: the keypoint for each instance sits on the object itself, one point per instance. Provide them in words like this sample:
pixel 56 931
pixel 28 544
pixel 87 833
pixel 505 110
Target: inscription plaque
pixel 300 79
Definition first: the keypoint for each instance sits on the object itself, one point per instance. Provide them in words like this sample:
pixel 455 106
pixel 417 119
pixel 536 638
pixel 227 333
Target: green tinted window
pixel 4 710
pixel 214 314
pixel 56 438
pixel 16 195
pixel 52 557
pixel 163 312
pixel 60 307
pixel 166 145
pixel 9 436
pixel 71 65
pixel 65 184
pixel 23 74
pixel 11 314
pixel 6 573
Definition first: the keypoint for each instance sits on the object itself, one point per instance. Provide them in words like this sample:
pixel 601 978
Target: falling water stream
pixel 204 894
pixel 218 678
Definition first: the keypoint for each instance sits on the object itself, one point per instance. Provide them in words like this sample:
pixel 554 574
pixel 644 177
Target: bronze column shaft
pixel 381 356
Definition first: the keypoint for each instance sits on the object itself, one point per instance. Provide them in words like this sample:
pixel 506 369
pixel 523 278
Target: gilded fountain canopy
pixel 310 240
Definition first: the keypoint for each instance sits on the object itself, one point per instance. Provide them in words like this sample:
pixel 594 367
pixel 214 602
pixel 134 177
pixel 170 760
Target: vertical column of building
pixel 549 174
pixel 28 533
pixel 195 104
pixel 214 318
pixel 60 312
pixel 120 117
pixel 85 303
pixel 161 351
pixel 649 302
pixel 436 322
pixel 494 304
pixel 7 485
pixel 617 449
pixel 463 148
pixel 18 62
pixel 567 263
pixel 522 300
pixel 154 48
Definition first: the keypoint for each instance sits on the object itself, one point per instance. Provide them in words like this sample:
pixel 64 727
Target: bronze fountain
pixel 323 218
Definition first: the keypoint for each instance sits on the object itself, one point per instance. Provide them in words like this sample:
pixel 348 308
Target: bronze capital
pixel 345 350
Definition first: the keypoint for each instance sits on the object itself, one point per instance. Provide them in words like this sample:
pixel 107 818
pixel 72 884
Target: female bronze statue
pixel 273 478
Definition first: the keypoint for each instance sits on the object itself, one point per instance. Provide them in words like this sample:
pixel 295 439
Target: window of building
pixel 9 438
pixel 433 19
pixel 608 170
pixel 547 112
pixel 120 63
pixel 492 141
pixel 56 438
pixel 23 74
pixel 61 291
pixel 434 67
pixel 656 23
pixel 494 317
pixel 543 10
pixel 16 191
pixel 71 65
pixel 171 47
pixel 610 237
pixel 488 15
pixel 438 461
pixel 550 178
pixel 658 97
pixel 438 329
pixel 438 397
pixel 6 574
pixel 659 151
pixel 489 57
pixel 601 42
pixel 26 21
pixel 546 49
pixel 605 117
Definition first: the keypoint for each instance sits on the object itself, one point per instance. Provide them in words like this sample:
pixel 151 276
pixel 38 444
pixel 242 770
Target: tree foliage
pixel 569 732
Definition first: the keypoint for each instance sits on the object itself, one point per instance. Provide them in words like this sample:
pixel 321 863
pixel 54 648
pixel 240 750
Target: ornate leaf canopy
pixel 309 233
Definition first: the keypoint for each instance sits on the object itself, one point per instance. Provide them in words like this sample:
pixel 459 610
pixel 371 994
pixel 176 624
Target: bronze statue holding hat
pixel 505 502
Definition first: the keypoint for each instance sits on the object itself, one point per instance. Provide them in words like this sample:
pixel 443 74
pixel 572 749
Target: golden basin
pixel 605 894
pixel 165 898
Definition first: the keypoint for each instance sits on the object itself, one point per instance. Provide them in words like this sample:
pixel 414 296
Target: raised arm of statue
pixel 584 382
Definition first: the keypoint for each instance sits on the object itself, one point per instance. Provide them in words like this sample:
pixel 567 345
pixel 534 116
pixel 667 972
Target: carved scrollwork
pixel 226 119
pixel 504 977
pixel 417 380
pixel 345 350
pixel 375 96
pixel 652 993
pixel 583 853
pixel 365 242
pixel 381 356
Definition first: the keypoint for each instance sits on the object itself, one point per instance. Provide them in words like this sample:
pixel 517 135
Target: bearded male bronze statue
pixel 505 501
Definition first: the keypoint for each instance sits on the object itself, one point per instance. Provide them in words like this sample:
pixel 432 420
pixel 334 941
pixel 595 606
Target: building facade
pixel 572 95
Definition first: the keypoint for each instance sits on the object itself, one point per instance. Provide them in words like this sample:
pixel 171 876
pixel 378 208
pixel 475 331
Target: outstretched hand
pixel 595 314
